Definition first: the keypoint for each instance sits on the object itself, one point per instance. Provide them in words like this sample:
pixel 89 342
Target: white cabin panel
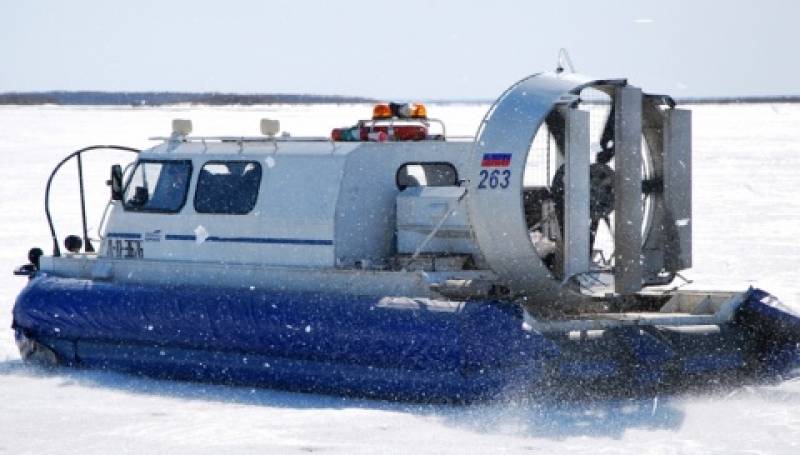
pixel 291 223
pixel 366 220
pixel 437 211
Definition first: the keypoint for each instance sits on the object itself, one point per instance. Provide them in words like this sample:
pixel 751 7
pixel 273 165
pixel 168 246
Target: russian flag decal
pixel 496 160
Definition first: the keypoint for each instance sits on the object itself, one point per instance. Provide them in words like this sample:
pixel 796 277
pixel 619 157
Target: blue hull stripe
pixel 271 240
pixel 123 235
pixel 266 240
pixel 180 237
pixel 262 240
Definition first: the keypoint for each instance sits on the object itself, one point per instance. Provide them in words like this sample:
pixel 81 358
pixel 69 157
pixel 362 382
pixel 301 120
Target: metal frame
pixel 628 190
pixel 77 153
pixel 576 186
pixel 724 314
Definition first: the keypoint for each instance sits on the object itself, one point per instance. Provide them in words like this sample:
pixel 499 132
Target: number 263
pixel 494 179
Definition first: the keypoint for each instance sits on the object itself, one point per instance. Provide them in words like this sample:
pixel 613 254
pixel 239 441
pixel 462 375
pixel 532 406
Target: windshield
pixel 158 186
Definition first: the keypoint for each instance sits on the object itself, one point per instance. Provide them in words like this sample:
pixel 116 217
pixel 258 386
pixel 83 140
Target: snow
pixel 746 225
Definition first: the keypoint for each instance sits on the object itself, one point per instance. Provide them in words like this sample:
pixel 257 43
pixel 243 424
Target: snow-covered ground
pixel 746 230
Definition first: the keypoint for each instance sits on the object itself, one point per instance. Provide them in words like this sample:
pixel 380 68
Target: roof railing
pixel 243 138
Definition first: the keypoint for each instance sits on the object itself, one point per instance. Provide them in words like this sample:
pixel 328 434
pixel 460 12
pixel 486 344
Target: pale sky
pixel 409 49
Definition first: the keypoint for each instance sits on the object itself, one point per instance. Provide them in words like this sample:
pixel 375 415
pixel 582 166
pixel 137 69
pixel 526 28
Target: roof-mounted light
pixel 381 112
pixel 399 110
pixel 270 127
pixel 181 127
pixel 418 110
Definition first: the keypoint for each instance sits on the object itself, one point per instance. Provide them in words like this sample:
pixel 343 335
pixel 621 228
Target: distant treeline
pixel 84 98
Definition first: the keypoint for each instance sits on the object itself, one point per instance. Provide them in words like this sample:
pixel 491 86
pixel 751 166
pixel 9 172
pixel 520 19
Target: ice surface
pixel 746 228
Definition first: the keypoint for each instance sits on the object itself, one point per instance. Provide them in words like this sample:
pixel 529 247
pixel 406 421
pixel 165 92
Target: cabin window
pixel 158 186
pixel 426 174
pixel 227 187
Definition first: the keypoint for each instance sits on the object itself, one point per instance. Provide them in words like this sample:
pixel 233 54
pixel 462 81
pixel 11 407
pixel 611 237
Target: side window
pixel 158 186
pixel 227 187
pixel 426 174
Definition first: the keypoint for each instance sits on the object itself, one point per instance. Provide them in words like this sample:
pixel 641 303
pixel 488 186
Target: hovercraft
pixel 393 261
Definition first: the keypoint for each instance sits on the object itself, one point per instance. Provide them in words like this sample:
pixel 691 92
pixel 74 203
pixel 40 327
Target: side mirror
pixel 116 183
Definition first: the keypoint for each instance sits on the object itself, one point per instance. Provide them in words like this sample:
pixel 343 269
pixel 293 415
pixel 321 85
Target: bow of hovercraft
pixel 393 261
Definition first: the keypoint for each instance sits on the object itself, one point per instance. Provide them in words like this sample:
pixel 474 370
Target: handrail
pixel 391 122
pixel 87 245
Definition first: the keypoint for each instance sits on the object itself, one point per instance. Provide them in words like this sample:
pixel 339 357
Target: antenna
pixel 563 57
